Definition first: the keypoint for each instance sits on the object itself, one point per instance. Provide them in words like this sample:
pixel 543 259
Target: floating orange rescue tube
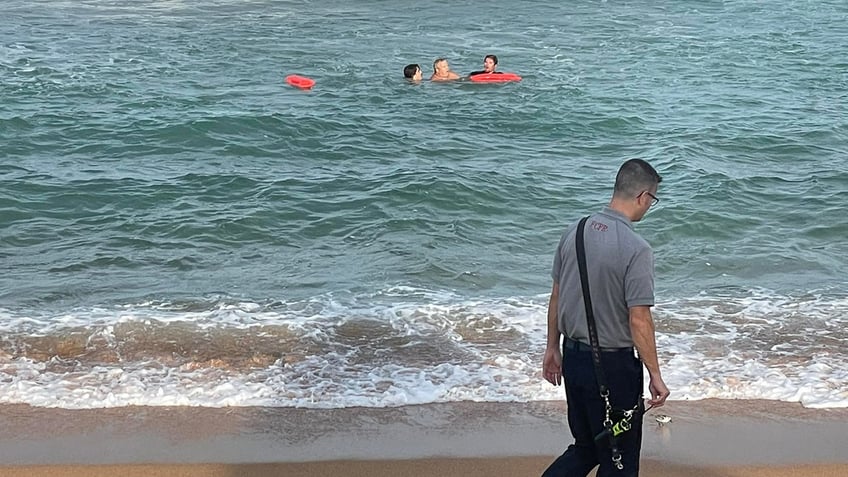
pixel 495 77
pixel 301 82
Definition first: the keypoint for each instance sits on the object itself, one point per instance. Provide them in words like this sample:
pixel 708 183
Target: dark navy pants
pixel 586 413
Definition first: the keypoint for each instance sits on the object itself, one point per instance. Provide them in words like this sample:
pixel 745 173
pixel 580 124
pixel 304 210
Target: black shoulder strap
pixel 587 300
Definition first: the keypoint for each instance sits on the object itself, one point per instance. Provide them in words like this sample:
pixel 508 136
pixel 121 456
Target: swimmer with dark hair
pixel 412 72
pixel 490 64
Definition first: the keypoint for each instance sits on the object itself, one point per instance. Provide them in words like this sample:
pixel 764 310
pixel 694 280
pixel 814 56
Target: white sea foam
pixel 408 346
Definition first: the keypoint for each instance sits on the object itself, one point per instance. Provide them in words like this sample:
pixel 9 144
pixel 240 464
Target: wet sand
pixel 711 438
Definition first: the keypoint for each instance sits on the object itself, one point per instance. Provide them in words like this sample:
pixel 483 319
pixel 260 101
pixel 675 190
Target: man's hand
pixel 642 328
pixel 659 392
pixel 552 362
pixel 552 366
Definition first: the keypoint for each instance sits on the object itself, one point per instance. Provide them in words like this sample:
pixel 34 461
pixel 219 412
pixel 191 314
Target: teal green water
pixel 153 147
pixel 150 151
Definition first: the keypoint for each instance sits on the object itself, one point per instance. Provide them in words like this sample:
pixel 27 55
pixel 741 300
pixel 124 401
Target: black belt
pixel 580 346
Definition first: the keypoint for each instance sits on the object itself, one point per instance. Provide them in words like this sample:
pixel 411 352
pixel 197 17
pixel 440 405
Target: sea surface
pixel 180 227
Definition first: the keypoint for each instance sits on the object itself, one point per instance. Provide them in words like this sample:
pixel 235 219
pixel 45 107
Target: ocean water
pixel 180 227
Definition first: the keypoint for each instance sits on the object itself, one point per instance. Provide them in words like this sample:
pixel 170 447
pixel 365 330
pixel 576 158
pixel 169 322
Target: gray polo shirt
pixel 620 264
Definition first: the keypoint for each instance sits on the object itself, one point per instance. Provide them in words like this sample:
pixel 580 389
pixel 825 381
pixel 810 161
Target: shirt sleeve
pixel 556 270
pixel 639 278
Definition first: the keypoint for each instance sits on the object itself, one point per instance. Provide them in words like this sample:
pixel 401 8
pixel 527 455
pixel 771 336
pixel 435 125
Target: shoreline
pixel 506 467
pixel 718 437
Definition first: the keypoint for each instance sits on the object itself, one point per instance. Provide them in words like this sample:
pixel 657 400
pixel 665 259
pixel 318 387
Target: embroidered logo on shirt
pixel 599 226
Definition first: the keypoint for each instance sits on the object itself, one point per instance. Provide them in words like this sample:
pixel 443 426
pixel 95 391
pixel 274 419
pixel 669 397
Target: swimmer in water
pixel 412 72
pixel 442 71
pixel 490 64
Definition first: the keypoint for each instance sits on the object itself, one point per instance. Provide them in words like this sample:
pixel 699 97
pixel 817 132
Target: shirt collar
pixel 616 215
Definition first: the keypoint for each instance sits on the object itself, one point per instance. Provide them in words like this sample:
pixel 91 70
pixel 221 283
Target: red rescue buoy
pixel 495 77
pixel 301 82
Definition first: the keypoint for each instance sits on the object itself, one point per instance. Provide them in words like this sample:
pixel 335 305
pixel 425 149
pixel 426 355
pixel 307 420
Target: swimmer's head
pixel 490 62
pixel 412 72
pixel 440 63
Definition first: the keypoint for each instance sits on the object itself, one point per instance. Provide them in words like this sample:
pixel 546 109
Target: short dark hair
pixel 410 70
pixel 493 57
pixel 634 176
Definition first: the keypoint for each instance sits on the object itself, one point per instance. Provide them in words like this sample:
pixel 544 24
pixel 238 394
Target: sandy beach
pixel 709 438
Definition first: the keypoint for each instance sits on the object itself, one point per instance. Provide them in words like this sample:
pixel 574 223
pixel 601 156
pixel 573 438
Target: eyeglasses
pixel 654 199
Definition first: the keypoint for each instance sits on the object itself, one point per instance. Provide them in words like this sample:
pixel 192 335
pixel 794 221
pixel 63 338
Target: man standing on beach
pixel 620 267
